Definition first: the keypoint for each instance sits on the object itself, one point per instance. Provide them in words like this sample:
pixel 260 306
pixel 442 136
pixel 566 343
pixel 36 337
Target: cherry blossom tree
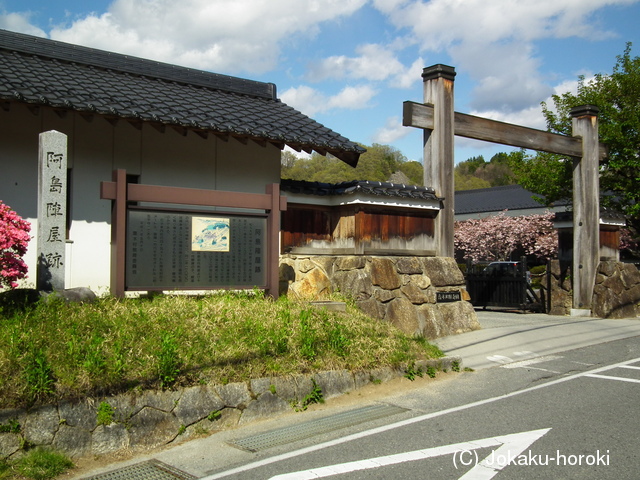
pixel 497 237
pixel 14 237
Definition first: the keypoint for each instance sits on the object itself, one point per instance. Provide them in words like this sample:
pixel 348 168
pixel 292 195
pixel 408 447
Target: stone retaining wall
pixel 400 290
pixel 156 418
pixel 616 293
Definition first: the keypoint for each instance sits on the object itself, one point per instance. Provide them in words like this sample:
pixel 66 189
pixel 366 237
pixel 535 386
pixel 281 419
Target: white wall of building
pixel 95 148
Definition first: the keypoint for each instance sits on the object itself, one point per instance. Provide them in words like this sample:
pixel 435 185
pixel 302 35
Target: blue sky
pixel 351 63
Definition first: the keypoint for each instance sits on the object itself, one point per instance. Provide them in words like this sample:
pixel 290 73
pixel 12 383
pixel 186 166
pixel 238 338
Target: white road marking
pixel 611 377
pixel 499 359
pixel 510 447
pixel 403 423
pixel 632 367
pixel 533 361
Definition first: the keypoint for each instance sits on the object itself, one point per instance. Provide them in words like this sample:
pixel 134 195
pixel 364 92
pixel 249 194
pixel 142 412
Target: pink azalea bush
pixel 495 238
pixel 14 237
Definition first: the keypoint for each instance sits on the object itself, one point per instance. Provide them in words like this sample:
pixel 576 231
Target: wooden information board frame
pixel 123 195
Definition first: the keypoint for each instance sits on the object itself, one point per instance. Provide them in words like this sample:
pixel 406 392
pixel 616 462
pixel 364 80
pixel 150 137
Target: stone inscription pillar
pixel 52 210
pixel 586 209
pixel 438 151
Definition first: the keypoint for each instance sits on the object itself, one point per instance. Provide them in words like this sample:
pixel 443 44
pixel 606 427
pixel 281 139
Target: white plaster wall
pixel 95 149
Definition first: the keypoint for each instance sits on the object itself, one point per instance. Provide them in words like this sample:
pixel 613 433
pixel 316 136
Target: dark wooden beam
pixel 421 116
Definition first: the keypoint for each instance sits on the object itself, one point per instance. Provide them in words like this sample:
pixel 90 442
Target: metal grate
pixel 301 431
pixel 150 470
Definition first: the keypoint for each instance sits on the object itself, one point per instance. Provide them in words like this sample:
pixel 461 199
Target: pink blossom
pixel 14 237
pixel 497 237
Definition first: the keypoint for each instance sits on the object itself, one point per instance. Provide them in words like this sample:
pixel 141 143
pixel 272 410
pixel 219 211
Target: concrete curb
pixel 157 418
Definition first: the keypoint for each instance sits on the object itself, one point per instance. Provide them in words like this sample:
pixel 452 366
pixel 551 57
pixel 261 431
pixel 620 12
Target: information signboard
pixel 176 250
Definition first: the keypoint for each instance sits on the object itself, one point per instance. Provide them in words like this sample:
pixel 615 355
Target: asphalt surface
pixel 506 338
pixel 510 336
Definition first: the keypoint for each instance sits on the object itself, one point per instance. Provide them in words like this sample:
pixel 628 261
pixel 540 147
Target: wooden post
pixel 438 151
pixel 586 209
pixel 119 234
pixel 273 241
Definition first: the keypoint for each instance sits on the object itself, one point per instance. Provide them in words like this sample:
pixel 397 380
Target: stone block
pixel 403 315
pixel 356 283
pixel 443 271
pixel 409 266
pixel 265 406
pixel 234 395
pixel 458 317
pixel 41 425
pixel 79 414
pixel 383 273
pixel 334 383
pixel 373 308
pixel 384 296
pixel 315 284
pixel 74 441
pixel 414 294
pixel 350 263
pixel 629 275
pixel 152 428
pixel 196 403
pixel 9 444
pixel 109 439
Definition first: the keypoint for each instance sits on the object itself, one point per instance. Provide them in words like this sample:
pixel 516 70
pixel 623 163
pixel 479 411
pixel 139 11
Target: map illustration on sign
pixel 209 234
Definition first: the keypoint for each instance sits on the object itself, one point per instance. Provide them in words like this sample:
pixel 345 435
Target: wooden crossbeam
pixel 420 115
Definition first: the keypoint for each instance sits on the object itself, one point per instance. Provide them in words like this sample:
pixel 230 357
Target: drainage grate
pixel 150 470
pixel 301 431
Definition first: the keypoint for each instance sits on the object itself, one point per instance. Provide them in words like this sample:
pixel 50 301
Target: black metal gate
pixel 508 286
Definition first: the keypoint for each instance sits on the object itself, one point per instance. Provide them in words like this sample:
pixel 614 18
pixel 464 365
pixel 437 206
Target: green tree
pixel 618 97
pixel 378 163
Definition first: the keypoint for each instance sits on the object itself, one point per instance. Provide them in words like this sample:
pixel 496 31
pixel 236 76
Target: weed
pixel 308 338
pixel 214 415
pixel 182 429
pixel 272 389
pixel 168 360
pixel 431 372
pixel 38 375
pixel 12 426
pixel 455 366
pixel 315 396
pixel 104 415
pixel 376 381
pixel 338 341
pixel 412 372
pixel 469 369
pixel 42 463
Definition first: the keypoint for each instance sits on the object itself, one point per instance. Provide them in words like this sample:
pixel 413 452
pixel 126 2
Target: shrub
pixel 14 237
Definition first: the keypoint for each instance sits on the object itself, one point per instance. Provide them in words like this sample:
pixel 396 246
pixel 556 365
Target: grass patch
pixel 37 464
pixel 56 350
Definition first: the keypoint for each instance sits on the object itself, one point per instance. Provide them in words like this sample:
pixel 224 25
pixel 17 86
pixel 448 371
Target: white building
pixel 166 125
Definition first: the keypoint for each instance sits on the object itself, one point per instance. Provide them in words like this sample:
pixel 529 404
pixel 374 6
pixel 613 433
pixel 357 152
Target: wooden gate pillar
pixel 586 209
pixel 438 151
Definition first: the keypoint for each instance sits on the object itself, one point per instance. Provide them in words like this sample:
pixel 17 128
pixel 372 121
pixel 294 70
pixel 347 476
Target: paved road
pixel 508 337
pixel 558 386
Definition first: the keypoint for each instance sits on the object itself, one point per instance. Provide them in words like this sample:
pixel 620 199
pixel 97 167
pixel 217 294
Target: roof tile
pixel 45 72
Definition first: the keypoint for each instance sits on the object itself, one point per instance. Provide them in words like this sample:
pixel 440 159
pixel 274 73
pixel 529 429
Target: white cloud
pixel 494 42
pixel 311 101
pixel 221 35
pixel 20 22
pixel 373 62
pixel 392 131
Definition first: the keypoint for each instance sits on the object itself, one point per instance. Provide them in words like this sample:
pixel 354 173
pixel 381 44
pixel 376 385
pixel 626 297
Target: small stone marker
pixel 52 210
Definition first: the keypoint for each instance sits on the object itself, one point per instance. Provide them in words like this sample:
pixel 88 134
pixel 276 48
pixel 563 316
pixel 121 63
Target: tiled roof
pixel 39 71
pixel 358 186
pixel 495 199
